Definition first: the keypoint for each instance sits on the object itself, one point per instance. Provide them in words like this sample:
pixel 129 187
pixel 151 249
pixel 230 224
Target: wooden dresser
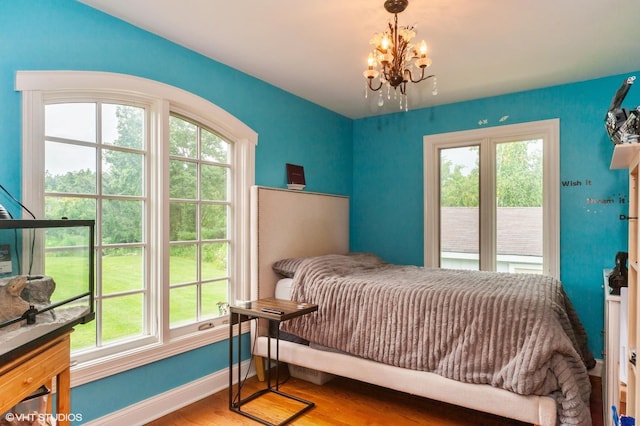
pixel 46 364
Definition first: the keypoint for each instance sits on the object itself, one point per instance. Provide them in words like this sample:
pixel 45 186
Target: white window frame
pixel 488 137
pixel 38 87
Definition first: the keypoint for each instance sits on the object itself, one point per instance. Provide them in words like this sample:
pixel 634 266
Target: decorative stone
pixel 38 290
pixel 11 304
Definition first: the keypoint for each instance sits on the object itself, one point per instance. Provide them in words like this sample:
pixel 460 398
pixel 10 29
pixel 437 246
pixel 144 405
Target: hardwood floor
pixel 344 402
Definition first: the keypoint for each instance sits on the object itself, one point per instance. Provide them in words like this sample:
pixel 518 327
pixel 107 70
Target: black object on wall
pixel 618 277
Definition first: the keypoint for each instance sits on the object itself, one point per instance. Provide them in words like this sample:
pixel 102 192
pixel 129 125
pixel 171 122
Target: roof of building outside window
pixel 519 230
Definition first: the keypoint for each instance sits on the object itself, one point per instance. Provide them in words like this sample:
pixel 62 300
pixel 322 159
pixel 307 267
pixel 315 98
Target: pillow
pixel 287 267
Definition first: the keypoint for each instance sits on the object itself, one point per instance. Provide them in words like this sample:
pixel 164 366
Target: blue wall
pixel 67 35
pixel 388 173
pixel 378 161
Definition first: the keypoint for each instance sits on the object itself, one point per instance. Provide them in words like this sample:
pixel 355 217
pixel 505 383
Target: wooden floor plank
pixel 343 402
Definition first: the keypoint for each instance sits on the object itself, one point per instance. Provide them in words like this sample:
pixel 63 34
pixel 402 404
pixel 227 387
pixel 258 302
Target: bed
pixel 300 225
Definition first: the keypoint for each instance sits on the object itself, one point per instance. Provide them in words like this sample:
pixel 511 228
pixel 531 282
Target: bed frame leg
pixel 259 363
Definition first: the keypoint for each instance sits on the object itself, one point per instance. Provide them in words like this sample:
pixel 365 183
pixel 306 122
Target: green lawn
pixel 123 315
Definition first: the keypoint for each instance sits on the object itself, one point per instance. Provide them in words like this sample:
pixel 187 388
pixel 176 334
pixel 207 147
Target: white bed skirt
pixel 538 410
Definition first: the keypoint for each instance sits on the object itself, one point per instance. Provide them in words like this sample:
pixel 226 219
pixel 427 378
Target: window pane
pixel 74 169
pixel 69 168
pixel 122 317
pixel 214 148
pixel 183 305
pixel 122 221
pixel 84 336
pixel 182 264
pixel 123 125
pixel 213 296
pixel 122 173
pixel 122 270
pixel 75 121
pixel 213 222
pixel 214 183
pixel 183 138
pixel 459 202
pixel 214 260
pixel 519 190
pixel 69 207
pixel 182 217
pixel 63 242
pixel 198 189
pixel 183 180
pixel 67 267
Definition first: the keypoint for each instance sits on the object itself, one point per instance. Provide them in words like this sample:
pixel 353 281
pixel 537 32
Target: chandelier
pixel 393 56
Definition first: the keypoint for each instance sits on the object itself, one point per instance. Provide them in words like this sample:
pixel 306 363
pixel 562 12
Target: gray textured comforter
pixel 518 332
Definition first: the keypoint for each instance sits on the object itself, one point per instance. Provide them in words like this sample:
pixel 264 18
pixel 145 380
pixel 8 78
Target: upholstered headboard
pixel 286 223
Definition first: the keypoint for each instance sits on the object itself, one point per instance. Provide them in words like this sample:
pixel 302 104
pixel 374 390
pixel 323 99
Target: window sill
pixel 90 371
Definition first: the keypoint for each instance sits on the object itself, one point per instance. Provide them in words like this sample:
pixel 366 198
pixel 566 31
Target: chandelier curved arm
pixel 407 72
pixel 369 83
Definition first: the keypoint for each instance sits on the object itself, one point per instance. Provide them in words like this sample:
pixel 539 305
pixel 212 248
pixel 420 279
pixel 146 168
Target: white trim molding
pixel 42 87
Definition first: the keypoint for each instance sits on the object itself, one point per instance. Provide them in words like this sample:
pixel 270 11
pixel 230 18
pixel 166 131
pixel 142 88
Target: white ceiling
pixel 317 49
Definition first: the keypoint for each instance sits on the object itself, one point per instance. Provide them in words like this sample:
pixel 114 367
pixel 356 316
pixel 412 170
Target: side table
pixel 274 310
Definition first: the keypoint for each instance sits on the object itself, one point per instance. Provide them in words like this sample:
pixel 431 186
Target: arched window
pixel 166 176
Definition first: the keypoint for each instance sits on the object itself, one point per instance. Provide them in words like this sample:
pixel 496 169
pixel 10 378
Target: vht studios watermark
pixel 42 418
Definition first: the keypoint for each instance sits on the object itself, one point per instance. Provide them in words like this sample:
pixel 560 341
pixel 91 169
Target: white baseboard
pixel 155 407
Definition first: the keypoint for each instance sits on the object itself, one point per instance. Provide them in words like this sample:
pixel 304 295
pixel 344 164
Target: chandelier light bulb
pixel 371 61
pixel 423 49
pixel 384 44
